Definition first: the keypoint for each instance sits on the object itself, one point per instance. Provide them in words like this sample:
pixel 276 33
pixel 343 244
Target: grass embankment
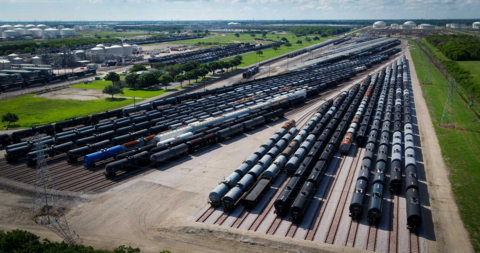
pixel 35 111
pixel 474 68
pixel 460 146
pixel 127 92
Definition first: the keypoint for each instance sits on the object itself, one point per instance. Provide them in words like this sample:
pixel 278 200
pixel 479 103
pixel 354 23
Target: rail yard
pixel 327 155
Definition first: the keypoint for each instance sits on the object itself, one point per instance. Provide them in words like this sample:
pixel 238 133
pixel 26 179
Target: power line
pixel 447 116
pixel 47 202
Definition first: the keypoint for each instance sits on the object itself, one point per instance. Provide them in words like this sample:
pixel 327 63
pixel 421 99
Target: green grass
pixel 228 38
pixel 473 67
pixel 127 92
pixel 252 58
pixel 460 146
pixel 435 51
pixel 35 111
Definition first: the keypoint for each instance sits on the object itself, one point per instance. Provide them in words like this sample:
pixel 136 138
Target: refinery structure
pixel 30 32
pixel 413 25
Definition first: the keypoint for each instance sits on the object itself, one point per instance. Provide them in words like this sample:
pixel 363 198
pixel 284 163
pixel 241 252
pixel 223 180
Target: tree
pixel 288 44
pixel 112 90
pixel 112 76
pixel 259 52
pixel 236 62
pixel 148 79
pixel 238 57
pixel 214 66
pixel 190 75
pixel 203 72
pixel 132 79
pixel 284 39
pixel 165 80
pixel 299 42
pixel 316 38
pixel 253 35
pixel 159 65
pixel 10 118
pixel 180 78
pixel 191 65
pixel 275 46
pixel 138 67
pixel 108 36
pixel 308 39
pixel 197 73
pixel 237 35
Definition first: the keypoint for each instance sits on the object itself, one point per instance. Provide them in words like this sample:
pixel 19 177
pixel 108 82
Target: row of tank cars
pixel 120 126
pixel 209 54
pixel 306 154
pixel 335 41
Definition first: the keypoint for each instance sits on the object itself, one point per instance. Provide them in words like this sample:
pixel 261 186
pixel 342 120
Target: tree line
pixel 323 31
pixel 457 47
pixel 165 28
pixel 24 241
pixel 29 47
pixel 165 74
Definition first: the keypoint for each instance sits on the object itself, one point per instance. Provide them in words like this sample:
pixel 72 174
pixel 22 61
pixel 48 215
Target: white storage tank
pixel 51 33
pixel 135 47
pixel 36 60
pixel 476 25
pixel 100 54
pixel 60 27
pixel 10 34
pixel 115 50
pixel 85 28
pixel 67 32
pixel 18 60
pixel 30 26
pixel 4 64
pixel 426 26
pixel 100 45
pixel 20 31
pixel 127 49
pixel 12 56
pixel 43 27
pixel 6 27
pixel 18 26
pixel 36 32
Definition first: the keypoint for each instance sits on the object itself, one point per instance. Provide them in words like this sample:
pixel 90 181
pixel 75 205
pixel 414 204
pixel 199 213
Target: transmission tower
pixel 427 79
pixel 47 209
pixel 447 117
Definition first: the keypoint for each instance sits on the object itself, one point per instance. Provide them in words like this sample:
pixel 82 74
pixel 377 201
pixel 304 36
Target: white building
pixel 233 24
pixel 476 25
pixel 379 25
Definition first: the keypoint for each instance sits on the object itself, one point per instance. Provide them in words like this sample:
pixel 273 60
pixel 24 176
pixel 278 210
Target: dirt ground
pixel 75 94
pixel 158 210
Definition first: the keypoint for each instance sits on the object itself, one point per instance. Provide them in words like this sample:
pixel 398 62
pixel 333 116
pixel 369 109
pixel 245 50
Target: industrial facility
pixel 379 24
pixel 30 32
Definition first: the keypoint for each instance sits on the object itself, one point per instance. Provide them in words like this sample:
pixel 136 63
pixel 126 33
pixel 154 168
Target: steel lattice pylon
pixel 47 208
pixel 447 117
pixel 427 79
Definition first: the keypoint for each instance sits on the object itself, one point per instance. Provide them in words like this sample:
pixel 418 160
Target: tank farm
pixel 343 173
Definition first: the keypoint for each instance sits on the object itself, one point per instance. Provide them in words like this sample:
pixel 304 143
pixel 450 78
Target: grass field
pixel 252 58
pixel 473 67
pixel 35 111
pixel 460 146
pixel 127 92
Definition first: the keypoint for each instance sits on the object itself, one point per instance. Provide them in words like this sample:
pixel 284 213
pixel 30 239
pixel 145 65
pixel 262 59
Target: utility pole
pixel 47 209
pixel 447 116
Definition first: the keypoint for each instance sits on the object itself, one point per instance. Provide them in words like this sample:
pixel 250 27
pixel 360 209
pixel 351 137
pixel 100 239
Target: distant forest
pixel 323 31
pixel 172 28
pixel 457 47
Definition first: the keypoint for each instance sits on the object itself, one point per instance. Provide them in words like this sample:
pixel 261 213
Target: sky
pixel 98 10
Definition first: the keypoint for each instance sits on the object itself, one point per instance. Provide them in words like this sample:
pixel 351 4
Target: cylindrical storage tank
pixel 18 26
pixel 4 64
pixel 67 32
pixel 77 28
pixel 30 26
pixel 36 60
pixel 10 34
pixel 6 27
pixel 135 47
pixel 85 28
pixel 51 33
pixel 17 60
pixel 115 50
pixel 43 27
pixel 20 31
pixel 127 49
pixel 36 32
pixel 60 27
pixel 100 45
pixel 100 52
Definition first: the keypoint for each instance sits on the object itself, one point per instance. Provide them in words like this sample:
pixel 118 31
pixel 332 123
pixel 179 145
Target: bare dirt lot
pixel 158 210
pixel 75 94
